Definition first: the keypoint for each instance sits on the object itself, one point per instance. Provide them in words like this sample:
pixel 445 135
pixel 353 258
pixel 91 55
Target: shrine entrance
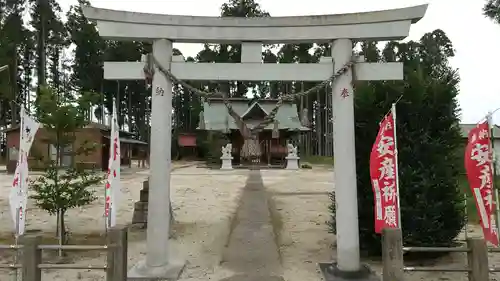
pixel 270 153
pixel 165 69
pixel 269 147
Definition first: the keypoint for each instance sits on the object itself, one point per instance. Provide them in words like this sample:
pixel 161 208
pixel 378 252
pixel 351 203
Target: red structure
pixel 187 140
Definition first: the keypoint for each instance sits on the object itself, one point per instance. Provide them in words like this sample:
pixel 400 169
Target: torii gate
pixel 252 33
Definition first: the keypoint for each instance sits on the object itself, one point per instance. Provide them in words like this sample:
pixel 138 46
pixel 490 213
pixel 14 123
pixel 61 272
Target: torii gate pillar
pixel 158 260
pixel 346 214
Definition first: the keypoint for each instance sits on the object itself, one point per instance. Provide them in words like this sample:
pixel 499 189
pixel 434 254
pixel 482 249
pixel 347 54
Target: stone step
pixel 144 195
pixel 140 214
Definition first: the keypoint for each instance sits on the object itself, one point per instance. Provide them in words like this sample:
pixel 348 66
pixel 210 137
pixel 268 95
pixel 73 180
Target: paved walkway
pixel 251 250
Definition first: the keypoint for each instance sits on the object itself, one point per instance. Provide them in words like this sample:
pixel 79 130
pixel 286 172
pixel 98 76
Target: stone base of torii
pixel 331 272
pixel 140 219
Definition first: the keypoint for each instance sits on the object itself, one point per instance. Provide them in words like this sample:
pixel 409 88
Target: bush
pixel 175 148
pixel 319 160
pixel 306 166
pixel 429 144
pixel 212 144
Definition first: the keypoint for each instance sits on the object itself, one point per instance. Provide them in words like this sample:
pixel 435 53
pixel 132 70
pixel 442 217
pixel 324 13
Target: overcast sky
pixel 471 33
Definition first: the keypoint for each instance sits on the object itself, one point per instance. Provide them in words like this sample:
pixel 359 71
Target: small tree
pixel 63 188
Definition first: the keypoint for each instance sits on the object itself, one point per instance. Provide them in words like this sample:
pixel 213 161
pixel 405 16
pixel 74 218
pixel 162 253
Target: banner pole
pixel 16 243
pixel 111 183
pixel 106 211
pixel 466 227
pixel 110 215
pixel 489 120
pixel 21 187
pixel 393 112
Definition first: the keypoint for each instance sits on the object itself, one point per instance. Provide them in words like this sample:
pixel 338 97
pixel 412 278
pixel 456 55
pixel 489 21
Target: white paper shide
pixel 18 197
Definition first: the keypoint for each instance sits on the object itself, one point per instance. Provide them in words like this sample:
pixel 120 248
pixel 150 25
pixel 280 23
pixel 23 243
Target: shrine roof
pixel 91 125
pixel 129 140
pixel 217 118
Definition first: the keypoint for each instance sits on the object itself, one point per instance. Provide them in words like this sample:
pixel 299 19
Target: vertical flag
pixel 113 184
pixel 479 168
pixel 29 129
pixel 384 175
pixel 18 196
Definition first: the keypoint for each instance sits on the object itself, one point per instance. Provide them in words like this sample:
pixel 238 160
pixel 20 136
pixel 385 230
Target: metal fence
pixel 31 264
pixel 477 266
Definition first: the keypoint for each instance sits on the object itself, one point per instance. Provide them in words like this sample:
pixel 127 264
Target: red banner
pixel 384 176
pixel 479 168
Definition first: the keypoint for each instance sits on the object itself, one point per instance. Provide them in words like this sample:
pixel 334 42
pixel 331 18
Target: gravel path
pixel 252 239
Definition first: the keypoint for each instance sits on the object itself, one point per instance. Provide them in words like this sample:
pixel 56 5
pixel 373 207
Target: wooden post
pixel 32 257
pixel 129 155
pixel 117 254
pixel 110 257
pixel 392 254
pixel 477 260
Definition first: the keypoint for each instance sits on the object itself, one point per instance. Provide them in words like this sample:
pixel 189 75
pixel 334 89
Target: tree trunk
pixel 61 233
pixel 63 227
pixel 15 88
pixel 42 56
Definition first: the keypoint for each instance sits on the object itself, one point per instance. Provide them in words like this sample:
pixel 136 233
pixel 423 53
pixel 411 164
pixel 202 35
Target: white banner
pixel 113 184
pixel 28 131
pixel 18 196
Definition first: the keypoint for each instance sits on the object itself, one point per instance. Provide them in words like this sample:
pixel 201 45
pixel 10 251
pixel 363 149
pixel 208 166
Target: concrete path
pixel 251 250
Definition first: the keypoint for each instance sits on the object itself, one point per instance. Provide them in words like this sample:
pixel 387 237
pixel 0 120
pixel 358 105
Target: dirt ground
pixel 205 203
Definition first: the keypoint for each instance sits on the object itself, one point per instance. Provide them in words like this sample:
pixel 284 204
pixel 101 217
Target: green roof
pixel 217 118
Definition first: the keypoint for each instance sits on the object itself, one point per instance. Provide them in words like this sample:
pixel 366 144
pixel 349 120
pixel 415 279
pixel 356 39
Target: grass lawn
pixel 472 216
pixel 471 203
pixel 318 160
